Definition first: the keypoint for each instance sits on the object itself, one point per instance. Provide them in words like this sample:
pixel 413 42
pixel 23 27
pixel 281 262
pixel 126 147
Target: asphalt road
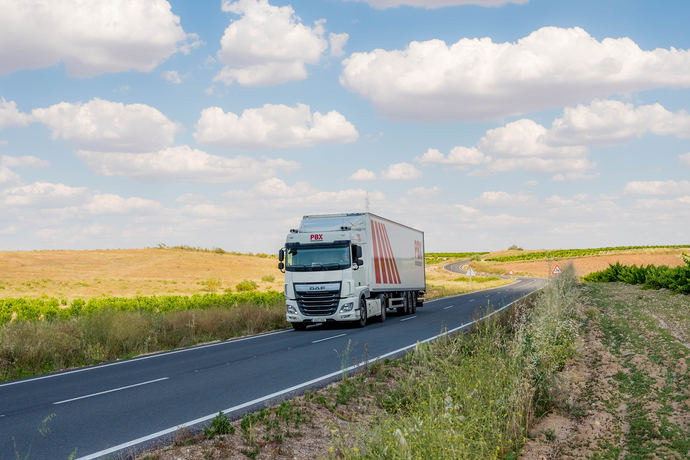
pixel 111 409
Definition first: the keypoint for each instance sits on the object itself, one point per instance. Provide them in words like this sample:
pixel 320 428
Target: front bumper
pixel 294 315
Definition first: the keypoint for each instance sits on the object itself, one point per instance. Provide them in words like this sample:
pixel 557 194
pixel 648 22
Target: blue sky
pixel 484 123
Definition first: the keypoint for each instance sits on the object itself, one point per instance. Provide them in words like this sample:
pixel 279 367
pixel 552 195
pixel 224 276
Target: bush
pixel 246 286
pixel 268 278
pixel 676 279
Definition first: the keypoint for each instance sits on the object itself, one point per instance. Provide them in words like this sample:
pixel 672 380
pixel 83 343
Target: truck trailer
pixel 351 267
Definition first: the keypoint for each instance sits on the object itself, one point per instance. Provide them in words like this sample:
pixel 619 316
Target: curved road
pixel 121 407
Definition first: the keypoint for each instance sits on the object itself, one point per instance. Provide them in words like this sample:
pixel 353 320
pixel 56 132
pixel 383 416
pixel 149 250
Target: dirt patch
pixel 626 393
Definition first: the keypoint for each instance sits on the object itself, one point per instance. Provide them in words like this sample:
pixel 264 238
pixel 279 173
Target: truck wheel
pixel 382 318
pixel 299 326
pixel 413 303
pixel 362 313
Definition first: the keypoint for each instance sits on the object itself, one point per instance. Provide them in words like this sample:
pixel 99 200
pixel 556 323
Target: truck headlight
pixel 347 306
pixel 291 310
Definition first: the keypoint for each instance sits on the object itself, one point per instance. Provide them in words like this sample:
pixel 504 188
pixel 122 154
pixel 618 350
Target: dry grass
pixel 583 265
pixel 130 272
pixel 441 282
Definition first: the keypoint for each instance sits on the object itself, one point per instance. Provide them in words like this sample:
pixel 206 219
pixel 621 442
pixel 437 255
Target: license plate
pixel 319 320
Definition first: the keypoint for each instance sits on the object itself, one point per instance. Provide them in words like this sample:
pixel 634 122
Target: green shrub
pixel 268 278
pixel 570 253
pixel 246 286
pixel 676 279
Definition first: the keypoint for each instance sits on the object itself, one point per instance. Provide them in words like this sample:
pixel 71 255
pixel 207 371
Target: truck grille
pixel 318 303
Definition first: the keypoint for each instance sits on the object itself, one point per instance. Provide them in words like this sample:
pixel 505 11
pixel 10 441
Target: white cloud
pixel 459 157
pixel 184 163
pixel 614 122
pixel 685 158
pixel 558 201
pixel 7 176
pixel 173 76
pixel 273 126
pixel 108 203
pixel 499 198
pixel 479 79
pixel 26 161
pixel 11 116
pixel 337 42
pixel 432 4
pixel 267 45
pixel 91 37
pixel 424 191
pixel 657 187
pixel 363 175
pixel 108 126
pixel 401 171
pixel 44 194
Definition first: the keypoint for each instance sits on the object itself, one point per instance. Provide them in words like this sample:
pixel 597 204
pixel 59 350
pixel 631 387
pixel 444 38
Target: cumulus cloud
pixel 11 116
pixel 173 76
pixel 91 37
pixel 107 203
pixel 273 126
pixel 7 176
pixel 424 191
pixel 433 4
pixel 337 43
pixel 657 187
pixel 185 164
pixel 268 44
pixel 108 126
pixel 685 158
pixel 479 79
pixel 44 194
pixel 459 157
pixel 363 175
pixel 25 161
pixel 499 198
pixel 401 171
pixel 613 122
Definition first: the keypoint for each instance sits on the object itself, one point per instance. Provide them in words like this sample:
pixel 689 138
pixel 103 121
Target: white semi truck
pixel 351 267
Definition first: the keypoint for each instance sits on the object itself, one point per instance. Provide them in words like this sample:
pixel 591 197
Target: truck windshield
pixel 314 259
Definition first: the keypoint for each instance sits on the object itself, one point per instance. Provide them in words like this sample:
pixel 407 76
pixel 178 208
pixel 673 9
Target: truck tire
pixel 362 313
pixel 299 326
pixel 413 302
pixel 382 318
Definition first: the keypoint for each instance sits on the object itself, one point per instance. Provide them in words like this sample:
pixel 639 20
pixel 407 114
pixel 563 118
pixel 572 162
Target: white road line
pixel 157 355
pixel 172 429
pixel 449 306
pixel 328 338
pixel 408 318
pixel 110 391
pixel 472 300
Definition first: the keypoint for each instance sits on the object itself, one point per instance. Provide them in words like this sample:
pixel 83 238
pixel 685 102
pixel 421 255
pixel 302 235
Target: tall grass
pixel 34 347
pixel 474 395
pixel 676 279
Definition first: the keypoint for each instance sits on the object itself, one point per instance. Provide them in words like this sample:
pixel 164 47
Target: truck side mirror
pixel 281 255
pixel 360 262
pixel 281 266
pixel 358 250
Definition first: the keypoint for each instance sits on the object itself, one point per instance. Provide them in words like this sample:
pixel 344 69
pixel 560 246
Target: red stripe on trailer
pixel 377 269
pixel 384 275
pixel 394 265
pixel 382 251
pixel 386 257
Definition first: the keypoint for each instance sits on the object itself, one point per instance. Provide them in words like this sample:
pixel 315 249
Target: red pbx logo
pixel 418 249
pixel 315 237
pixel 384 262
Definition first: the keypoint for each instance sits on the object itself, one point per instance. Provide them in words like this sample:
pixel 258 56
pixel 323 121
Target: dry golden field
pixel 130 272
pixel 583 265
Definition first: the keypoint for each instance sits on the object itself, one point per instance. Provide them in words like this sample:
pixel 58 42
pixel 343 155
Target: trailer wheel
pixel 382 318
pixel 413 302
pixel 362 313
pixel 299 326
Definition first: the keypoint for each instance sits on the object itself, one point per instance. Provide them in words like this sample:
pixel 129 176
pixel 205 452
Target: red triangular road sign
pixel 556 270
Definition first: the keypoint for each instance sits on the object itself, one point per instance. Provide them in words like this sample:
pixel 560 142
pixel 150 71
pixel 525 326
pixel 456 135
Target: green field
pixel 572 253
